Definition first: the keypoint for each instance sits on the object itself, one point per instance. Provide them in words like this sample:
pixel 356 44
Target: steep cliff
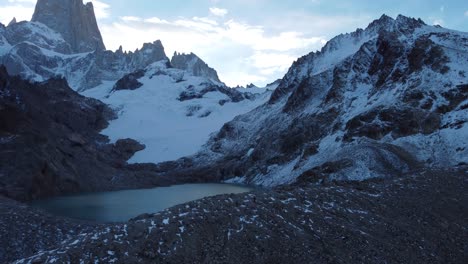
pixel 75 21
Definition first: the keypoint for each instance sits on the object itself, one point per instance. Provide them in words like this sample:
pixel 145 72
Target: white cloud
pixel 206 20
pixel 131 19
pixel 466 13
pixel 22 10
pixel 255 37
pixel 242 53
pixel 23 1
pixel 218 11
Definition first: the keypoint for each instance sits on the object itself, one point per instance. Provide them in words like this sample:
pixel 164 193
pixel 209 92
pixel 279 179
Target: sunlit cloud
pixel 253 55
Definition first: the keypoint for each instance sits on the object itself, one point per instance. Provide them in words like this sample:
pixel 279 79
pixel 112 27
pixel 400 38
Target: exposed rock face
pixel 129 81
pixel 111 66
pixel 373 103
pixel 234 95
pixel 75 21
pixel 193 64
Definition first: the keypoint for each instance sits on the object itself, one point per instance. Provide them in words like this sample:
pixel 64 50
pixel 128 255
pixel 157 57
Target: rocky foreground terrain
pixel 419 218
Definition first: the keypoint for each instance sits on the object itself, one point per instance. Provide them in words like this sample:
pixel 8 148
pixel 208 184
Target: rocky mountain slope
pixel 377 102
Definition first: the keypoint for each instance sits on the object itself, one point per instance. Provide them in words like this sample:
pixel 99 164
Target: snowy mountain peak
pixel 193 64
pixel 401 19
pixel 403 24
pixel 384 21
pixel 341 47
pixel 75 21
pixel 149 53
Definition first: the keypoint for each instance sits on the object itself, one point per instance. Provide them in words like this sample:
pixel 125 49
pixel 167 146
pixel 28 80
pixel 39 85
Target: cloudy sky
pixel 246 41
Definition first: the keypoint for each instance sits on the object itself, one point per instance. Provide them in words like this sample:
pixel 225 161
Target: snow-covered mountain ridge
pixel 374 103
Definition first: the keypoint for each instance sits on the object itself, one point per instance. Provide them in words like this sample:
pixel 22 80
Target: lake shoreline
pixel 121 206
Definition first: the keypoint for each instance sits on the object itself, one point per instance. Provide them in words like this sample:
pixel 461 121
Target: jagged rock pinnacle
pixel 74 20
pixel 192 63
pixel 13 21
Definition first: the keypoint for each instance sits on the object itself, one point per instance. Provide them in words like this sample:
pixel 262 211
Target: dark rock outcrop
pixel 75 21
pixel 129 81
pixel 233 94
pixel 399 122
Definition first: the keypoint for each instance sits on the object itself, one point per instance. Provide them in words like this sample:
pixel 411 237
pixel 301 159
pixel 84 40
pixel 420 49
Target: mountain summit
pixel 195 65
pixel 74 20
